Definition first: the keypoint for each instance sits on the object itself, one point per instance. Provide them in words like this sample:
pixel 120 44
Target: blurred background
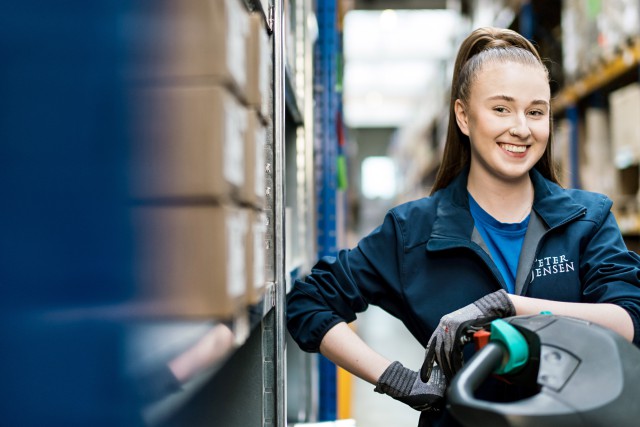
pixel 169 168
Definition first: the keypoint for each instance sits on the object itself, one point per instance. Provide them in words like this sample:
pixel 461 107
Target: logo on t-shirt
pixel 551 265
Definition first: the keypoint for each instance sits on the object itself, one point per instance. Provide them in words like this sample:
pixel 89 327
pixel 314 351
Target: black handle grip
pixel 479 368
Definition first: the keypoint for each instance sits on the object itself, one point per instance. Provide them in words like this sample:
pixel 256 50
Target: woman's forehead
pixel 511 79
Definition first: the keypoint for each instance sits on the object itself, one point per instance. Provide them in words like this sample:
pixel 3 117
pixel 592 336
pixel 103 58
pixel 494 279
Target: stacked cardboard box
pixel 174 41
pixel 200 116
pixel 597 171
pixel 256 252
pixel 191 259
pixel 190 143
pixel 624 110
pixel 259 68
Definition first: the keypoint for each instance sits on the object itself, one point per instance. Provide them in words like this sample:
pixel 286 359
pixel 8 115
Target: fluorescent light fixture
pixel 388 20
pixel 378 177
pixel 395 61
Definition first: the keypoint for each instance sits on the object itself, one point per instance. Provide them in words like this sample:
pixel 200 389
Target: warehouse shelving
pixel 604 74
pixel 255 354
pixel 287 166
pixel 582 109
pixel 108 345
pixel 80 346
pixel 259 359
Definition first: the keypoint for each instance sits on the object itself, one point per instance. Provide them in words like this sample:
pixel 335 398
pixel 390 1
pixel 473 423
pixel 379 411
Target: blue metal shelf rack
pixel 326 153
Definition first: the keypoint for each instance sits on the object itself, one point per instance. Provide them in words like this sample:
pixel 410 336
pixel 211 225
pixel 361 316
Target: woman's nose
pixel 520 129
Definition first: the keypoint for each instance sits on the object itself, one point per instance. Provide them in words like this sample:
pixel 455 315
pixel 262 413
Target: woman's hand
pixel 446 342
pixel 405 385
pixel 345 348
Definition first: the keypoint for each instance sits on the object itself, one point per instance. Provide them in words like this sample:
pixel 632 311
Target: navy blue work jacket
pixel 427 260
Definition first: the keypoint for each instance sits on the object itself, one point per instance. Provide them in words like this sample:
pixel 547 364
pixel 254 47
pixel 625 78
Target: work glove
pixel 405 385
pixel 446 343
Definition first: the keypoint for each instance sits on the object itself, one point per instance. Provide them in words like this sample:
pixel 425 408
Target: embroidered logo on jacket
pixel 551 265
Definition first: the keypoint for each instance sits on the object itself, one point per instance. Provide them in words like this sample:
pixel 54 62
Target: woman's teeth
pixel 514 148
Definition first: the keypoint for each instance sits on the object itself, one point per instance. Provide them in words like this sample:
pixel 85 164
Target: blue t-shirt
pixel 504 241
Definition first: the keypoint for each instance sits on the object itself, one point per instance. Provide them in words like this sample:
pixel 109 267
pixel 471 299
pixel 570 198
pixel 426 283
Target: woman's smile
pixel 513 149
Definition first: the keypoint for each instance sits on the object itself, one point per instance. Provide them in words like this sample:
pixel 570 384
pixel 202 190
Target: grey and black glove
pixel 446 342
pixel 405 385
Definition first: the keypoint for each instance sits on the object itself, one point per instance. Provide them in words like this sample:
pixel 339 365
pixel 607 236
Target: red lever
pixel 481 338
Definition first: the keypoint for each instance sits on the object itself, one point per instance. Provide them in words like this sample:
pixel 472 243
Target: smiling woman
pixel 490 241
pixel 506 118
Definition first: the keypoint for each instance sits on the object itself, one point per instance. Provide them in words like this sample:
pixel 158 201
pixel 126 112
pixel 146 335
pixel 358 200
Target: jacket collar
pixel 453 219
pixel 553 205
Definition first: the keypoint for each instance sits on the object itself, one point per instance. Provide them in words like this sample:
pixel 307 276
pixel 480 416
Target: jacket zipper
pixel 486 259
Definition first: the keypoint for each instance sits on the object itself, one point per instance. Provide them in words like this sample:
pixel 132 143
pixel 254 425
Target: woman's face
pixel 506 119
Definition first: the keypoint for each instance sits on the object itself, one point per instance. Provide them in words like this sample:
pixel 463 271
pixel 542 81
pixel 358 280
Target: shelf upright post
pixel 527 20
pixel 279 213
pixel 325 147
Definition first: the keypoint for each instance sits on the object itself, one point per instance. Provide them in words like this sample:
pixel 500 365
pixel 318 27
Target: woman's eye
pixel 500 109
pixel 536 113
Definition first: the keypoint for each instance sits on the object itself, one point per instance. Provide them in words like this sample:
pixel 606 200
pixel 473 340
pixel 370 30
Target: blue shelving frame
pixel 325 154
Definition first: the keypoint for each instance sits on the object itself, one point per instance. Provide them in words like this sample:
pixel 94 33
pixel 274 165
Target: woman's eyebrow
pixel 501 97
pixel 540 102
pixel 508 98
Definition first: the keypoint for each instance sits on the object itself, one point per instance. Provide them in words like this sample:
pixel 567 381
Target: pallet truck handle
pixel 473 412
pixel 479 368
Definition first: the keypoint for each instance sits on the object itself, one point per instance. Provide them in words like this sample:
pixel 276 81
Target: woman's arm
pixel 343 346
pixel 608 315
pixel 346 349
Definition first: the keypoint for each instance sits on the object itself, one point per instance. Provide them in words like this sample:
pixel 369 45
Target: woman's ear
pixel 461 117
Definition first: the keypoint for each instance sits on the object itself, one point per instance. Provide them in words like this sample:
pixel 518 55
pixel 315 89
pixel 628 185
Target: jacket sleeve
pixel 340 287
pixel 611 273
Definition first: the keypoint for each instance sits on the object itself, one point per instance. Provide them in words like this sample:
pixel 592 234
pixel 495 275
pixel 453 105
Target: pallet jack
pixel 582 375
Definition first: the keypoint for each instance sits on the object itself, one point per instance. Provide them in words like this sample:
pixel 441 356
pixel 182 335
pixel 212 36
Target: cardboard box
pixel 259 67
pixel 190 260
pixel 256 253
pixel 188 143
pixel 597 172
pixel 624 110
pixel 177 39
pixel 253 190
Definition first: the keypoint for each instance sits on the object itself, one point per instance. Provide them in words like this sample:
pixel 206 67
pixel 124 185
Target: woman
pixel 498 236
